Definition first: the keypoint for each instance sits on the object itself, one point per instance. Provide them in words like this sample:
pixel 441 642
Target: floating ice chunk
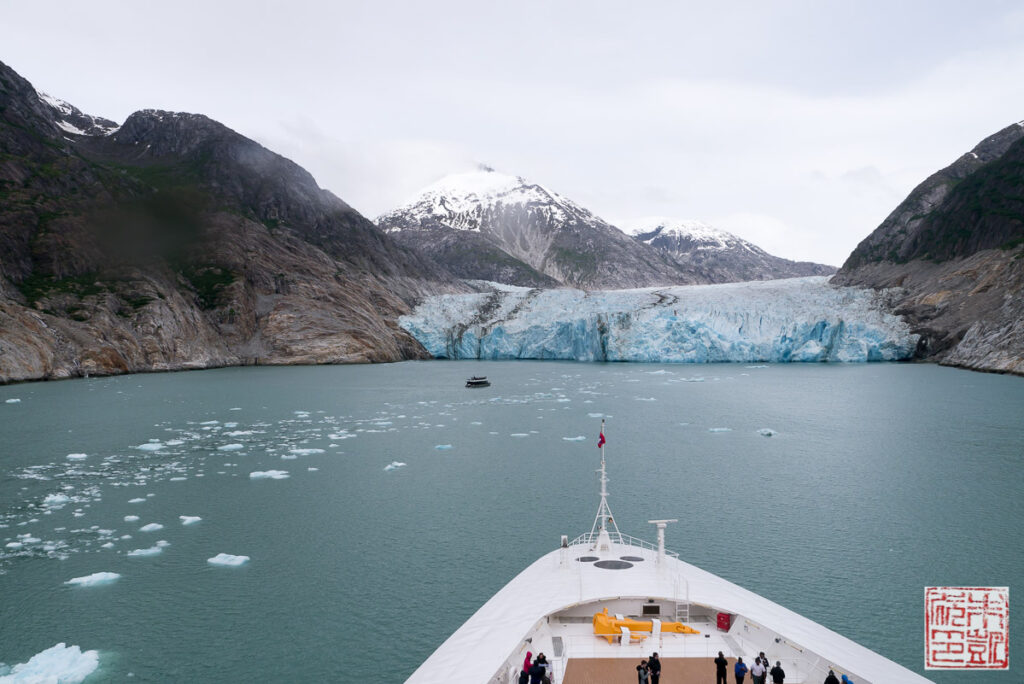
pixel 136 500
pixel 443 446
pixel 56 500
pixel 644 399
pixel 177 479
pixel 174 442
pixel 230 447
pixel 151 527
pixel 235 408
pixel 344 434
pixel 720 429
pixel 227 559
pixel 108 545
pixel 577 438
pixel 189 519
pixel 595 415
pixel 209 422
pixel 289 457
pixel 269 475
pixel 305 452
pixel 394 465
pixel 94 579
pixel 12 401
pixel 60 664
pixel 14 545
pixel 239 433
pixel 77 457
pixel 162 543
pixel 151 551
pixel 312 469
pixel 150 446
pixel 767 432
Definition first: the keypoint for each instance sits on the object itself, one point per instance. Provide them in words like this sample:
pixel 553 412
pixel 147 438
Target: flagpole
pixel 604 520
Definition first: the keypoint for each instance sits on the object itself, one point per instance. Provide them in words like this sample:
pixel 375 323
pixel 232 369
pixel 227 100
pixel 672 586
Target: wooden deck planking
pixel 623 670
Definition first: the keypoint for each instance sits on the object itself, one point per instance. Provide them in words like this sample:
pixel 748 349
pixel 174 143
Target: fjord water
pixel 881 479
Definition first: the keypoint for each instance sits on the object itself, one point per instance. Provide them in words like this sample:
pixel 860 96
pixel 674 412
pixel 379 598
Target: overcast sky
pixel 797 125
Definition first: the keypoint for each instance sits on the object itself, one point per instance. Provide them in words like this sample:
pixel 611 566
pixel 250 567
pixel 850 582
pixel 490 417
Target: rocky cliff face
pixel 956 247
pixel 492 226
pixel 173 242
pixel 715 255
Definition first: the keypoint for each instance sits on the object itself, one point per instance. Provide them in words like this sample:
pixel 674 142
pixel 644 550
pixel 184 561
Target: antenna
pixel 661 525
pixel 603 521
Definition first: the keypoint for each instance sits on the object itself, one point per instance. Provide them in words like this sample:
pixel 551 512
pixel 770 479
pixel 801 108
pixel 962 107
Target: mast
pixel 603 521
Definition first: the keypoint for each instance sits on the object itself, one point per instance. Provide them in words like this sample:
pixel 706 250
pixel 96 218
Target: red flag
pixel 600 441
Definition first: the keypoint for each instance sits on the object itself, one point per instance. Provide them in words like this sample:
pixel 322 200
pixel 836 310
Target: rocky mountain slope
pixel 716 255
pixel 492 226
pixel 956 247
pixel 174 242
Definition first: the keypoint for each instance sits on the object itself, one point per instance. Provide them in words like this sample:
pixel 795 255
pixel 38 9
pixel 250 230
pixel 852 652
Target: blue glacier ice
pixel 797 319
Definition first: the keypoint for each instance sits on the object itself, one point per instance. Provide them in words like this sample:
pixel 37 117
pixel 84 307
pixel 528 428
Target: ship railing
pixel 589 539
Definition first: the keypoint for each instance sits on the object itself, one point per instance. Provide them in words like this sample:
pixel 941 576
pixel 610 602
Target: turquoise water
pixel 881 479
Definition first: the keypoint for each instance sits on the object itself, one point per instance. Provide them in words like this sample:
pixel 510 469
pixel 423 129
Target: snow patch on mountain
pixel 72 120
pixel 797 319
pixel 462 200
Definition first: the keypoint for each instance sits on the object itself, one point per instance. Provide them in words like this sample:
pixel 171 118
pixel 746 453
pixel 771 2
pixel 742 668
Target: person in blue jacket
pixel 740 671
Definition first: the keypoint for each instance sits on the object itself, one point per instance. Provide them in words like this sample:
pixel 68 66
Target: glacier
pixel 791 320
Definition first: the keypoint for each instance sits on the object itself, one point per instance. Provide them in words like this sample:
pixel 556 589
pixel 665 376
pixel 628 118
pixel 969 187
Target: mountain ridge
pixel 173 242
pixel 955 246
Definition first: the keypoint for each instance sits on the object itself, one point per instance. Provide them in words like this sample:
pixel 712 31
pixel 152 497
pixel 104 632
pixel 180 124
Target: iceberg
pixel 77 457
pixel 189 519
pixel 151 551
pixel 131 518
pixel 60 663
pixel 231 447
pixel 791 320
pixel 393 465
pixel 12 401
pixel 94 579
pixel 227 559
pixel 305 452
pixel 151 527
pixel 767 432
pixel 269 475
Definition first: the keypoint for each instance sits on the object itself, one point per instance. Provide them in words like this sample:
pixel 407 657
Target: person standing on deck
pixel 740 671
pixel 758 672
pixel 654 665
pixel 536 672
pixel 527 663
pixel 778 674
pixel 721 665
pixel 643 673
pixel 831 679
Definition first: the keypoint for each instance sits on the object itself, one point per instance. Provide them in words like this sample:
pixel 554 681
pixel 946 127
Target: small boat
pixel 480 381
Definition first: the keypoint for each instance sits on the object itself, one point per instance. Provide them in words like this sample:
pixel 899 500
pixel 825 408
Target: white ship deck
pixel 554 599
pixel 549 608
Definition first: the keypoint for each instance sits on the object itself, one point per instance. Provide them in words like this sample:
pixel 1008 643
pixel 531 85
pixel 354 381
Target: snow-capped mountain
pixel 72 120
pixel 493 226
pixel 716 255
